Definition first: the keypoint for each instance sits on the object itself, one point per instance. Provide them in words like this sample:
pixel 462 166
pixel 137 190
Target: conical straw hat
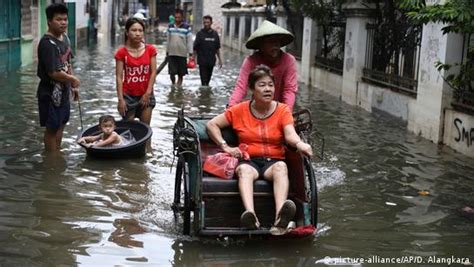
pixel 268 29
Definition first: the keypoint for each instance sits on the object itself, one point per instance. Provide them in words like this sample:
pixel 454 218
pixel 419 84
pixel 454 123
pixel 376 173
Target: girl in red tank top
pixel 135 74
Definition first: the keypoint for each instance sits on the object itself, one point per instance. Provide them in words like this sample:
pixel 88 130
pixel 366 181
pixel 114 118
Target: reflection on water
pixel 68 209
pixel 126 228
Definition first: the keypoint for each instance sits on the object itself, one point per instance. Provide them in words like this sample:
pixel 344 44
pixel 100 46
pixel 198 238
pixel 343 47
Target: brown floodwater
pixel 72 210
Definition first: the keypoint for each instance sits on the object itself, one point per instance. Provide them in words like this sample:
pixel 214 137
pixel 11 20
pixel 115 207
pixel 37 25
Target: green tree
pixel 326 14
pixel 458 15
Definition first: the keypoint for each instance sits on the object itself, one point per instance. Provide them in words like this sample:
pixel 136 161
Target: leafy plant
pixel 458 15
pixel 329 16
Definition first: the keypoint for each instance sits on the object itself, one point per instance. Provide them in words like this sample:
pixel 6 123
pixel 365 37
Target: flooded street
pixel 72 210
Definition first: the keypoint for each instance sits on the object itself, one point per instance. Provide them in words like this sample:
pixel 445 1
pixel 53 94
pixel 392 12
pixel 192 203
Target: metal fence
pixel 463 97
pixel 236 26
pixel 248 24
pixel 393 56
pixel 330 54
pixel 227 26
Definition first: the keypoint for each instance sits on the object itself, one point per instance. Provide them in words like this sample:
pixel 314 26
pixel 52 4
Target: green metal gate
pixel 71 27
pixel 10 31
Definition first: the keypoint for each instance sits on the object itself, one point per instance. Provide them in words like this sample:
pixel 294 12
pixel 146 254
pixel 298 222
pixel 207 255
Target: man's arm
pixel 189 42
pixel 63 77
pixel 162 65
pixel 290 84
pixel 218 51
pixel 74 90
pixel 196 45
pixel 168 41
pixel 219 59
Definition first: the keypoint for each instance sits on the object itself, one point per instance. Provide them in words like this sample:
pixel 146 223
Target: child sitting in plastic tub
pixel 108 137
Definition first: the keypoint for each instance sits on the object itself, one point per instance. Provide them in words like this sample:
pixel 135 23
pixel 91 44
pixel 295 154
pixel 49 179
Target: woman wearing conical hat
pixel 268 40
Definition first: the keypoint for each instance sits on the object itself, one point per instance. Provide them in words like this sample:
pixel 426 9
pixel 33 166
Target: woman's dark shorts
pixel 177 65
pixel 50 116
pixel 134 106
pixel 260 164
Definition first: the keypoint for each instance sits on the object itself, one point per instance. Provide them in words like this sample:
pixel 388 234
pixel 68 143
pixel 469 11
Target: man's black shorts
pixel 53 117
pixel 177 65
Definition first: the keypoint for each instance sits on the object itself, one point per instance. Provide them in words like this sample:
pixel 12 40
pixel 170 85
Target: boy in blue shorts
pixel 56 78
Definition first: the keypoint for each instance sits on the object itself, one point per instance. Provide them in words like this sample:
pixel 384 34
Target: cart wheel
pixel 182 179
pixel 177 186
pixel 186 201
pixel 312 191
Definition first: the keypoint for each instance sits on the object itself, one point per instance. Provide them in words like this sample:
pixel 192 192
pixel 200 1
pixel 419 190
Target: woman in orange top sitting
pixel 264 125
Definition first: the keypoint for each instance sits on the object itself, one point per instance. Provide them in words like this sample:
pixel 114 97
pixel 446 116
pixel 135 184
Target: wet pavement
pixel 73 210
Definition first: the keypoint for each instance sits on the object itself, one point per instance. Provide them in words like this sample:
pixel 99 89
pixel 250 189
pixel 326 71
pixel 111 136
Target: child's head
pixel 106 121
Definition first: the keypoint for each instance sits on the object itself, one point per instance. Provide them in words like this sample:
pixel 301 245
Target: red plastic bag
pixel 191 63
pixel 221 165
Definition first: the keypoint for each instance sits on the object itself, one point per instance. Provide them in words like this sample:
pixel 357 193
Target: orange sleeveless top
pixel 264 137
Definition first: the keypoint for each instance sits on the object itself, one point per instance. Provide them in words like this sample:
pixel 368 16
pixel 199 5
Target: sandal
pixel 286 214
pixel 275 230
pixel 248 220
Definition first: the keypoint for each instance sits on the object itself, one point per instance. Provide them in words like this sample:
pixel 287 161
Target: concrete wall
pixel 354 57
pixel 81 36
pixel 308 54
pixel 105 18
pixel 82 17
pixel 327 81
pixel 29 32
pixel 27 47
pixel 372 97
pixel 434 95
pixel 369 97
pixel 459 132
